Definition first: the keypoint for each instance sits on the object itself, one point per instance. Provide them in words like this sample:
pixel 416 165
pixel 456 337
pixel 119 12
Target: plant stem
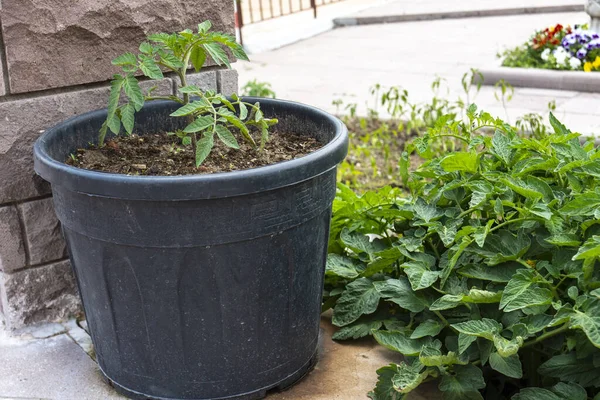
pixel 511 221
pixel 546 335
pixel 454 136
pixel 441 317
pixel 186 96
pixel 172 98
pixel 435 250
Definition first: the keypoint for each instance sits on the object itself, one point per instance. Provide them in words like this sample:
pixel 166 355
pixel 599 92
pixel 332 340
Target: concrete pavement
pixel 54 362
pixel 345 63
pixel 409 10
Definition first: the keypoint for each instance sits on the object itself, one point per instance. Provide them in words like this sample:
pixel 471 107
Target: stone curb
pixel 577 81
pixel 386 19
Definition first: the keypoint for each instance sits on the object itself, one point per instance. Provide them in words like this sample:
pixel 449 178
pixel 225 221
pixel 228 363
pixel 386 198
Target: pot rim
pixel 194 187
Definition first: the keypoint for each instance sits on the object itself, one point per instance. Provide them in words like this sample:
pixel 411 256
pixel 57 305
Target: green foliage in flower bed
pixel 485 277
pixel 393 118
pixel 557 47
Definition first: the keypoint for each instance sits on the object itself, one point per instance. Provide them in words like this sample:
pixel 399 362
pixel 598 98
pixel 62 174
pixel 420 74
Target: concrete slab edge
pixel 578 81
pixel 387 19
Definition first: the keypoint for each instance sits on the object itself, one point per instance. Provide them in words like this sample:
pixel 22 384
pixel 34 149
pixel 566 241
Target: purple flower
pixel 595 35
pixel 581 53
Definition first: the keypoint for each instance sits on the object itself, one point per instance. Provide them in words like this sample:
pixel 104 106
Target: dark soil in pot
pixel 160 154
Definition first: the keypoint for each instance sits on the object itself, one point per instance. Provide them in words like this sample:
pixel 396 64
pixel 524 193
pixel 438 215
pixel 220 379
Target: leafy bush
pixel 485 277
pixel 255 88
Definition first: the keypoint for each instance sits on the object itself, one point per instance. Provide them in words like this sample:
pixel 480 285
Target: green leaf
pixel 431 356
pixel 419 276
pixel 150 69
pixel 521 292
pixel 583 204
pixel 188 109
pixel 590 249
pixel 507 348
pixel 501 147
pixel 243 111
pixel 559 128
pixel 464 384
pixel 446 302
pixel 115 94
pixel 568 368
pixel 500 273
pixel 397 341
pixel 191 89
pixel 485 328
pixel 342 266
pixel 478 296
pixel 464 342
pixel 509 366
pixel 408 378
pixel 146 48
pixel 427 328
pixel 198 57
pixel 502 247
pixel 133 92
pixel 427 212
pixel 204 27
pixel 384 390
pixel 217 54
pixel 400 292
pixel 360 297
pixel 482 232
pixel 536 394
pixel 199 124
pixel 114 124
pixel 570 391
pixel 460 161
pixel 564 240
pixel 125 59
pixel 170 60
pixel 589 324
pixel 128 117
pixel 358 242
pixel 357 330
pixel 522 188
pixel 227 137
pixel 203 148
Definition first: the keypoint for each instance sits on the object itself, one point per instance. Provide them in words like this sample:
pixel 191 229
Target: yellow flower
pixel 596 62
pixel 587 67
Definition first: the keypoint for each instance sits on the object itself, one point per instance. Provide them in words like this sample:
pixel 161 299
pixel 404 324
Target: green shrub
pixel 485 277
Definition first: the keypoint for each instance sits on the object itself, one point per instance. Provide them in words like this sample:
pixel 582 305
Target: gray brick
pixel 44 294
pixel 228 81
pixel 12 248
pixel 204 80
pixel 42 232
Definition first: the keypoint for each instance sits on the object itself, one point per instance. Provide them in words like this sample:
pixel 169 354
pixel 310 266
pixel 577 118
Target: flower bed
pixel 559 48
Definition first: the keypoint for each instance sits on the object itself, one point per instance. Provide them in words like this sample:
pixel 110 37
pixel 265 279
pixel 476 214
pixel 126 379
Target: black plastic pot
pixel 199 287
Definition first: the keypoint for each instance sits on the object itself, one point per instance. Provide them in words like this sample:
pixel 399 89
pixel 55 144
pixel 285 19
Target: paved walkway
pixel 275 33
pixel 52 363
pixel 345 63
pixel 410 10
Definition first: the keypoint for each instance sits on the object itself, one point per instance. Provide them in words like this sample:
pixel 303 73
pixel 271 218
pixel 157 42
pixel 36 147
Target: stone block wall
pixel 55 63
